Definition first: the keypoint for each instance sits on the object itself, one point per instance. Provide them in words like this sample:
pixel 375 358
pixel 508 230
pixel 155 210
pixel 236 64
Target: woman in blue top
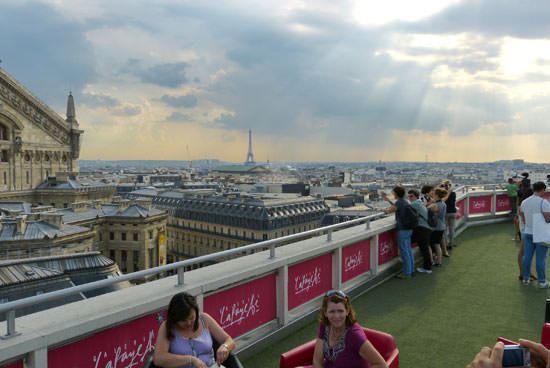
pixel 184 340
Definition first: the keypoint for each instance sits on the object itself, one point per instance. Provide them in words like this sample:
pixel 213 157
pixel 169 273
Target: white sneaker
pixel 544 285
pixel 423 270
pixel 526 282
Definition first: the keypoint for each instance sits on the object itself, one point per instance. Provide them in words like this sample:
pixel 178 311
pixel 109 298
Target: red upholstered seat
pixel 303 355
pixel 545 336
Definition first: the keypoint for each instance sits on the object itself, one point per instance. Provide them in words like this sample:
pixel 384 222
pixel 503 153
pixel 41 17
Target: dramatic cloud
pixel 46 52
pixel 313 80
pixel 165 75
pixel 98 100
pixel 187 101
pixel 178 117
pixel 127 110
pixel 524 19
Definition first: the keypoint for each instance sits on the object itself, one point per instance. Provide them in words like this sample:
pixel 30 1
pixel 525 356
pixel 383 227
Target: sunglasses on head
pixel 338 293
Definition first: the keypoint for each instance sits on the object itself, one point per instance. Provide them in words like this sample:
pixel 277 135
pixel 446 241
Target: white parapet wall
pixel 252 297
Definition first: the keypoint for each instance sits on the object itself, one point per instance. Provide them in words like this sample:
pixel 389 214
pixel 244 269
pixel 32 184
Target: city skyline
pixel 456 81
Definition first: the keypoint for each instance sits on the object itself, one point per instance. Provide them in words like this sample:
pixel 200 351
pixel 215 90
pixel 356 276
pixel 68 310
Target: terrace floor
pixel 443 319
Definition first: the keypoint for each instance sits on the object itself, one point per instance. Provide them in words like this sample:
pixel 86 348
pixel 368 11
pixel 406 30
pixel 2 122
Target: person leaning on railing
pixel 185 338
pixel 492 357
pixel 341 341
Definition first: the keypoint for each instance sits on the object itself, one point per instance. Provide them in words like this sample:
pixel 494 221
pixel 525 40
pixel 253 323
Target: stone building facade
pixel 203 225
pixel 131 233
pixel 35 142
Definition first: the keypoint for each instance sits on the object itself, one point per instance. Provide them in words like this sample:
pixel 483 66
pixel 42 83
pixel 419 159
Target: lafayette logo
pixel 236 313
pixel 385 247
pixel 478 205
pixel 126 356
pixel 353 261
pixel 302 283
pixel 502 203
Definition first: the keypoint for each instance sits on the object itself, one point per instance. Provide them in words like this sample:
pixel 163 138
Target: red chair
pixel 545 335
pixel 303 355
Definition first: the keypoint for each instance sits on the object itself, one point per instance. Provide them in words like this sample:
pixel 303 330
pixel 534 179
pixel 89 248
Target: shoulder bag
pixel 541 228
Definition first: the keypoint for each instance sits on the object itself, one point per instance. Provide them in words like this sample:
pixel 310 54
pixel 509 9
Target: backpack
pixel 410 218
pixel 432 219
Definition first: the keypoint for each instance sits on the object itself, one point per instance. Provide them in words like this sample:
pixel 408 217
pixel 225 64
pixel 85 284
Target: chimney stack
pixel 52 218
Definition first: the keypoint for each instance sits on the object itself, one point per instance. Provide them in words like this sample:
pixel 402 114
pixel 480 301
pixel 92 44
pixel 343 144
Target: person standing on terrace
pixel 450 216
pixel 512 193
pixel 421 234
pixel 341 341
pixel 399 207
pixel 436 237
pixel 529 207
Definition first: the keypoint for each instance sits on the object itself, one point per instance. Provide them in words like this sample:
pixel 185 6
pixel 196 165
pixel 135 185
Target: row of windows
pixel 124 263
pixel 231 232
pixel 257 224
pixel 124 237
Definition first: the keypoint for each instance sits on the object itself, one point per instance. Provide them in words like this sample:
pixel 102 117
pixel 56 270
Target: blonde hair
pixel 440 193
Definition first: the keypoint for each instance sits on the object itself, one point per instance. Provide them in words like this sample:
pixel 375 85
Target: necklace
pixel 336 334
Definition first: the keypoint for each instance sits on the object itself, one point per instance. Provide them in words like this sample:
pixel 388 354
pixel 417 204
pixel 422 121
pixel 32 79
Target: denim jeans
pixel 404 243
pixel 540 251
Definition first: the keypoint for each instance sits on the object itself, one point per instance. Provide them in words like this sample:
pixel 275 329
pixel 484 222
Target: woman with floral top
pixel 341 341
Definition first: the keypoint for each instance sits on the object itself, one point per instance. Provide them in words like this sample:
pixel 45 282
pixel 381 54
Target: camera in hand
pixel 516 356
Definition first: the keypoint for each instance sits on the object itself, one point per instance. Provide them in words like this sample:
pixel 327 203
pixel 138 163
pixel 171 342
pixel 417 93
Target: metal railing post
pixel 10 325
pixel 181 271
pixel 367 224
pixel 272 251
pixel 329 235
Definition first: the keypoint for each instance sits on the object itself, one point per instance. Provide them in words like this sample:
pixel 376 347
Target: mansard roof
pixel 251 208
pixel 108 210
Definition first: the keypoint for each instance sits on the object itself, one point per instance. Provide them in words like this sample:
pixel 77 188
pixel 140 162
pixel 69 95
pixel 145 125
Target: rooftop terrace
pixel 274 292
pixel 447 316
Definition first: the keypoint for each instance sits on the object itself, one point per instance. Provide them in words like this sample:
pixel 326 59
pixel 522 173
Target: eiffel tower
pixel 250 155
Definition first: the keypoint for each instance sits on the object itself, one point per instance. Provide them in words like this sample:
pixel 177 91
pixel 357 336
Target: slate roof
pixel 18 273
pixel 37 230
pixel 71 184
pixel 23 207
pixel 108 210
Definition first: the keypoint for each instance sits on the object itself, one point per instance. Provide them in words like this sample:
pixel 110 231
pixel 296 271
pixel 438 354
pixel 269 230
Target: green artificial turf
pixel 443 319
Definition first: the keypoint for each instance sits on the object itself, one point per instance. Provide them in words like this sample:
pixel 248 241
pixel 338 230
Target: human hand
pixel 222 354
pixel 197 363
pixel 540 355
pixel 488 358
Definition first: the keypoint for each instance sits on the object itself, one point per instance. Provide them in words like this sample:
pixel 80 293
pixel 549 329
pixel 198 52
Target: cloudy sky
pixel 346 80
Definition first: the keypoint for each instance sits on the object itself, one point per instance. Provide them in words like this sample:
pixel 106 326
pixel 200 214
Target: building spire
pixel 71 113
pixel 250 155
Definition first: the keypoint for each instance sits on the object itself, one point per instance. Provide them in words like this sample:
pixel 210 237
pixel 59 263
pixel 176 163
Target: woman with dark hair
pixel 341 341
pixel 184 340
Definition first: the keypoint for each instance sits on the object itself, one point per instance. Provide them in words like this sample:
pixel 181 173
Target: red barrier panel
pixel 307 280
pixel 387 246
pixel 481 204
pixel 460 209
pixel 503 203
pixel 547 195
pixel 123 346
pixel 355 260
pixel 14 365
pixel 243 308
